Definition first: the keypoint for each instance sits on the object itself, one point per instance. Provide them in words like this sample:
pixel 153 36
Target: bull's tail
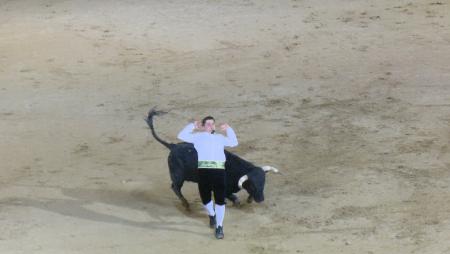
pixel 153 112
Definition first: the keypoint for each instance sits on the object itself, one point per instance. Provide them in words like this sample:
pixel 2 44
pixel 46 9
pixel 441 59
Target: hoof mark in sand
pixel 82 149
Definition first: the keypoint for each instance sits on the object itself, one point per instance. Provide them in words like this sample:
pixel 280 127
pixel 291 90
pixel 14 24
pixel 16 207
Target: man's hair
pixel 206 119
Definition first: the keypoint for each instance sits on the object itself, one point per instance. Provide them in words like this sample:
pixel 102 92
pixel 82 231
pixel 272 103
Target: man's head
pixel 208 123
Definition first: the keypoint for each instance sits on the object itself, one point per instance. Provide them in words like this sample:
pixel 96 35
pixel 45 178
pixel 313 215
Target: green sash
pixel 211 164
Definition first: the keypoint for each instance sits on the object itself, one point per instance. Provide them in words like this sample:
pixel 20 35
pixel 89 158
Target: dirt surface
pixel 349 99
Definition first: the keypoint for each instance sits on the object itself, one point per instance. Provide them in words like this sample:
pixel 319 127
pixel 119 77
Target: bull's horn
pixel 270 168
pixel 242 180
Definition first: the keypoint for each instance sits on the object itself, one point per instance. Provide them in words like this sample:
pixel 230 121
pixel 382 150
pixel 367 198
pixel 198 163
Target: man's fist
pixel 198 125
pixel 224 127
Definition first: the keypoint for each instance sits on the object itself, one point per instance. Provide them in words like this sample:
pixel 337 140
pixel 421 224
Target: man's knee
pixel 206 201
pixel 205 195
pixel 219 196
pixel 220 202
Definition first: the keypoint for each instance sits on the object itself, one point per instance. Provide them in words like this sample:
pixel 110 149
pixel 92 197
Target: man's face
pixel 209 125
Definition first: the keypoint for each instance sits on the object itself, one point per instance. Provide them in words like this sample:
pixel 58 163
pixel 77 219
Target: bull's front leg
pixel 234 199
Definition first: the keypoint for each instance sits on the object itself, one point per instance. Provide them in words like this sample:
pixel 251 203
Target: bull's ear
pixel 270 169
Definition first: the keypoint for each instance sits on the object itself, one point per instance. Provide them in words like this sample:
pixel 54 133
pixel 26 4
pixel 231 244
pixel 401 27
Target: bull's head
pixel 254 182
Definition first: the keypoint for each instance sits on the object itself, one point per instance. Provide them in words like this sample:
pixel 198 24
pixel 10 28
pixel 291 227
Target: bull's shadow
pixel 80 202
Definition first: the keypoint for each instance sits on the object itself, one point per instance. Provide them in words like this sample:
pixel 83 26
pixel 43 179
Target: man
pixel 211 165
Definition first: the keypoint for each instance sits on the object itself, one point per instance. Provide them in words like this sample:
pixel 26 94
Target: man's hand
pixel 224 126
pixel 198 125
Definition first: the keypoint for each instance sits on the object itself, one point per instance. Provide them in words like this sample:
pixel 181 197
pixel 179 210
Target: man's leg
pixel 219 196
pixel 205 188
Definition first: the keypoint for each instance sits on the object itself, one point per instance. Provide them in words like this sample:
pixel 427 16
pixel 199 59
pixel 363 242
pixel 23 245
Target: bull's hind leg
pixel 176 187
pixel 177 175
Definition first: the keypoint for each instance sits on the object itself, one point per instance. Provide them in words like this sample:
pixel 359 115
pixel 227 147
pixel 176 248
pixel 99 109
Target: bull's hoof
pixel 237 203
pixel 185 204
pixel 249 199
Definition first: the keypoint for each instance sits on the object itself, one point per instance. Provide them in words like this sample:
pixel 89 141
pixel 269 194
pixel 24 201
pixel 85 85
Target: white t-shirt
pixel 210 147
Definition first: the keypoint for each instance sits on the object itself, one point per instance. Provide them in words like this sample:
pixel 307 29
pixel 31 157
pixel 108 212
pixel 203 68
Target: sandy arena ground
pixel 350 99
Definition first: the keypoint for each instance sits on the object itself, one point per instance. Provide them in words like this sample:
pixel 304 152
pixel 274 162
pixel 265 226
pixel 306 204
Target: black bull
pixel 240 174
